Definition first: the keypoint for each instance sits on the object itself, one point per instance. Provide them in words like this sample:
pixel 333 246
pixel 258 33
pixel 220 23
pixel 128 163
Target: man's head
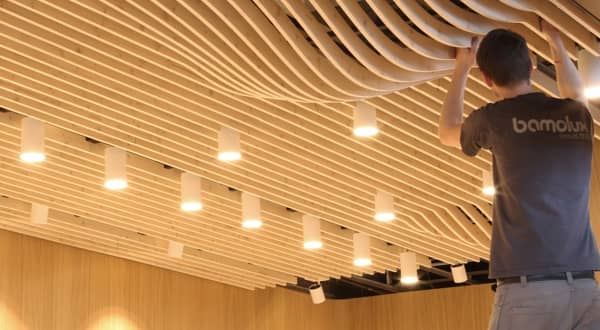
pixel 504 60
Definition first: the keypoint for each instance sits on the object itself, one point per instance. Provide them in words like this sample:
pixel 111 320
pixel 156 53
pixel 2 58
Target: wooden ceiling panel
pixel 160 78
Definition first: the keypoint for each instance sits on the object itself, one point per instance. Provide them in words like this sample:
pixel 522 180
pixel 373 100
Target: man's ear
pixel 487 80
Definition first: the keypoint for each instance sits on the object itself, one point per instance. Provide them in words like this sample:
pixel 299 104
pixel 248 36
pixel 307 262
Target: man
pixel 543 251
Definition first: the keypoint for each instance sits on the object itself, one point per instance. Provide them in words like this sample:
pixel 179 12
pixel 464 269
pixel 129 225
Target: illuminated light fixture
pixel 488 187
pixel 229 145
pixel 250 211
pixel 312 232
pixel 32 141
pixel 384 207
pixel 365 120
pixel 316 293
pixel 459 273
pixel 39 214
pixel 362 250
pixel 589 69
pixel 191 192
pixel 408 268
pixel 115 161
pixel 175 250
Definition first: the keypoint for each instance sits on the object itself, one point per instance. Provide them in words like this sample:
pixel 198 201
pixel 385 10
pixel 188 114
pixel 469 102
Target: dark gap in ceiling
pixel 434 277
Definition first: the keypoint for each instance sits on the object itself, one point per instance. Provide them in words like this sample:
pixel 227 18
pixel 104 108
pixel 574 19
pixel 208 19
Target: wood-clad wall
pixel 47 286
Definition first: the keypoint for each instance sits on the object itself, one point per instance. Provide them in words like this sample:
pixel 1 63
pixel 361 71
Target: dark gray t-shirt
pixel 542 159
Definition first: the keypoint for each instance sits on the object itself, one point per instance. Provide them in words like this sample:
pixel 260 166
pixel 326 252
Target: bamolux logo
pixel 549 125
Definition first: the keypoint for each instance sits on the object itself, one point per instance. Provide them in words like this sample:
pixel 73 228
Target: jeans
pixel 547 305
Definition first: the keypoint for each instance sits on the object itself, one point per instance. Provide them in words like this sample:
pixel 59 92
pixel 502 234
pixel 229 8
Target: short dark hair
pixel 504 58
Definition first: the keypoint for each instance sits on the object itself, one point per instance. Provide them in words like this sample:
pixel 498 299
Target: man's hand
pixel 465 57
pixel 550 32
pixel 452 110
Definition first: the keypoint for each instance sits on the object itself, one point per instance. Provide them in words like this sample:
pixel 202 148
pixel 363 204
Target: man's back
pixel 542 154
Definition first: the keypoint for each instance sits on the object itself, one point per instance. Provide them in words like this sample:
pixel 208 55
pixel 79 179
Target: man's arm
pixel 568 79
pixel 452 110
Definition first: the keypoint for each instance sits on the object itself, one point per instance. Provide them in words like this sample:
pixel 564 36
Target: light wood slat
pixel 70 142
pixel 577 13
pixel 436 29
pixel 160 78
pixel 410 37
pixel 562 21
pixel 401 57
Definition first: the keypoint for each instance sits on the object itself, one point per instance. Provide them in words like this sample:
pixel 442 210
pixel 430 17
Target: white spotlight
pixel 191 192
pixel 488 187
pixel 365 120
pixel 384 207
pixel 175 250
pixel 589 69
pixel 32 141
pixel 229 145
pixel 312 232
pixel 459 273
pixel 39 214
pixel 115 161
pixel 316 293
pixel 408 268
pixel 250 211
pixel 362 250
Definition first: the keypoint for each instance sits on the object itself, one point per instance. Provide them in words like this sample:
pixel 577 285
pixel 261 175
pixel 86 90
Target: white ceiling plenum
pixel 160 78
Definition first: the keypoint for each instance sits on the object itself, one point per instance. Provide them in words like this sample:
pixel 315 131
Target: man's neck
pixel 514 91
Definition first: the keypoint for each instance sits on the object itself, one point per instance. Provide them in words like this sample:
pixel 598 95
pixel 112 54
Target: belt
pixel 547 277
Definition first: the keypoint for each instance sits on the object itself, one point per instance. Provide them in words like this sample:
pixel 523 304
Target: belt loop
pixel 523 281
pixel 569 278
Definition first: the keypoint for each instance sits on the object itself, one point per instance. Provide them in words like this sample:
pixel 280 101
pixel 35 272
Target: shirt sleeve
pixel 475 133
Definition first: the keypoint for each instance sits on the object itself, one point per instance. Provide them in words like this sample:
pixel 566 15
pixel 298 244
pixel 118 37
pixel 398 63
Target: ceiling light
pixel 317 295
pixel 32 141
pixel 39 214
pixel 589 69
pixel 229 145
pixel 384 207
pixel 175 250
pixel 365 120
pixel 191 192
pixel 250 211
pixel 488 187
pixel 459 273
pixel 408 268
pixel 115 168
pixel 362 250
pixel 312 232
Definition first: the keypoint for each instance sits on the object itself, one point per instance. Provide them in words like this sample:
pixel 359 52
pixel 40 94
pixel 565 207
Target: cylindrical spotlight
pixel 384 207
pixel 362 250
pixel 459 273
pixel 115 170
pixel 488 187
pixel 250 211
pixel 408 268
pixel 589 69
pixel 365 120
pixel 312 232
pixel 32 141
pixel 175 250
pixel 191 192
pixel 39 214
pixel 316 293
pixel 229 145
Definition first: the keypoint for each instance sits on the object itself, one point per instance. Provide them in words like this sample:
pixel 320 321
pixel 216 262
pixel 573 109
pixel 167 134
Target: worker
pixel 543 252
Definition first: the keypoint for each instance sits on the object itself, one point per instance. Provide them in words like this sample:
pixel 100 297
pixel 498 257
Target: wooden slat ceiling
pixel 159 78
